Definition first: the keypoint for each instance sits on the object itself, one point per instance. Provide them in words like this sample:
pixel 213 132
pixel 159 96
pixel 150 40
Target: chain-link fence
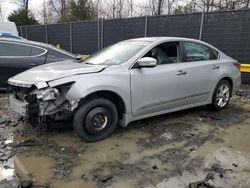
pixel 228 30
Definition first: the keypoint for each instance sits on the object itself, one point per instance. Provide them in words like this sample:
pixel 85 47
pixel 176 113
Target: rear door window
pixel 19 50
pixel 199 52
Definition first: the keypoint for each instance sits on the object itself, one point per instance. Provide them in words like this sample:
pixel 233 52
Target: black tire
pixel 214 104
pixel 95 120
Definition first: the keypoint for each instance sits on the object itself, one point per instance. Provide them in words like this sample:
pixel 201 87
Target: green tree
pixel 22 17
pixel 79 10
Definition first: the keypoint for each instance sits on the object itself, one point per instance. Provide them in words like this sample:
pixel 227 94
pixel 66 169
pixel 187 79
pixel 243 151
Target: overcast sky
pixel 10 5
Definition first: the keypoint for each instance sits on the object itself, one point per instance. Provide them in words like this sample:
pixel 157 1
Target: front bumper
pixel 49 102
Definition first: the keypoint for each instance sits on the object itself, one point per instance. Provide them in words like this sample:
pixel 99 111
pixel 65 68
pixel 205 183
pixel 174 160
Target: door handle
pixel 181 72
pixel 215 67
pixel 33 64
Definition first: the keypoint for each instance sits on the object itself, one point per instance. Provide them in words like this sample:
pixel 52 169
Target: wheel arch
pixel 110 95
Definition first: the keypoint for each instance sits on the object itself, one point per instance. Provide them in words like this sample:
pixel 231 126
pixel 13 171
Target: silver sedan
pixel 128 81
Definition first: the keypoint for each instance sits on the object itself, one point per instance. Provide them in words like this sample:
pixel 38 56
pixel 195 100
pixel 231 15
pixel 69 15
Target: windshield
pixel 117 53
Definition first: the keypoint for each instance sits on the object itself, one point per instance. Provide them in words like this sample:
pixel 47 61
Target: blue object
pixel 10 35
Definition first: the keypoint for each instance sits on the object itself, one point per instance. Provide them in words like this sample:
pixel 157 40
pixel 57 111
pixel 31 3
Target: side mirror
pixel 146 62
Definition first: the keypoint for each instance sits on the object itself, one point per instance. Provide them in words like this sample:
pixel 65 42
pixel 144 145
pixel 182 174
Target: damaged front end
pixel 42 105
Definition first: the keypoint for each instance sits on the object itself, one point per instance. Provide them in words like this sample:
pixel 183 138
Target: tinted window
pixel 58 54
pixel 36 51
pixel 165 53
pixel 11 49
pixel 199 52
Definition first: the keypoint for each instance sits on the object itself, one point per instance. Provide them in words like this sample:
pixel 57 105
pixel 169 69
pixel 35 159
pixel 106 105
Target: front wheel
pixel 221 96
pixel 95 120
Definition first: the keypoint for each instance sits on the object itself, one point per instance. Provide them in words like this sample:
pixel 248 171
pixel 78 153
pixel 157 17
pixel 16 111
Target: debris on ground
pixel 203 183
pixel 210 116
pixel 244 94
pixel 7 156
pixel 26 184
pixel 30 142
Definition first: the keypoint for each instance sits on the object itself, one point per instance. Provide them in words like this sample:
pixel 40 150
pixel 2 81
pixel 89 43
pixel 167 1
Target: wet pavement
pixel 191 148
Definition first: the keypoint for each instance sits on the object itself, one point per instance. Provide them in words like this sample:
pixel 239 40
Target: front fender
pixel 90 83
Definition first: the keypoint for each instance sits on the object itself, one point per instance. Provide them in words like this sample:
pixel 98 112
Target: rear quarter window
pixel 58 54
pixel 36 51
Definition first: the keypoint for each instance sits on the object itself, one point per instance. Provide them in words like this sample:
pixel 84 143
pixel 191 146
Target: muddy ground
pixel 168 151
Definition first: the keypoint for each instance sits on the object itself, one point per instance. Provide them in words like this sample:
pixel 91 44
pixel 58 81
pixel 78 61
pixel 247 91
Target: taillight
pixel 237 65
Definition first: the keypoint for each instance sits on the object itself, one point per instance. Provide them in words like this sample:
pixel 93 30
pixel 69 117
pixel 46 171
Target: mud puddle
pixel 172 150
pixel 228 161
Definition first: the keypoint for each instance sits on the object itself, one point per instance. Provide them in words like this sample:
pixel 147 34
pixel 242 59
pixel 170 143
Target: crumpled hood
pixel 53 71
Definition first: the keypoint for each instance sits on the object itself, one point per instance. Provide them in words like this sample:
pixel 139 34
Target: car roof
pixel 26 42
pixel 154 39
pixel 34 43
pixel 169 39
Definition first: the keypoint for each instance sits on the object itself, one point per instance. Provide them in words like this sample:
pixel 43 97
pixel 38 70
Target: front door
pixel 159 89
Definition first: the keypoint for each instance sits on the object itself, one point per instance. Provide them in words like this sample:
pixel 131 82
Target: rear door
pixel 203 69
pixel 17 57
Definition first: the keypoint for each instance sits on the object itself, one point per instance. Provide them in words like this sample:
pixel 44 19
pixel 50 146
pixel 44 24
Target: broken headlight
pixel 47 94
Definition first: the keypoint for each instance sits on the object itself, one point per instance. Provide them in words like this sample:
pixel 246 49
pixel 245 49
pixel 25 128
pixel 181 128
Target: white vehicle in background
pixel 8 27
pixel 9 30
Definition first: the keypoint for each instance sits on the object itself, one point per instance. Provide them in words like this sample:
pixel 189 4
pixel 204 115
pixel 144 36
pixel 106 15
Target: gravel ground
pixel 191 148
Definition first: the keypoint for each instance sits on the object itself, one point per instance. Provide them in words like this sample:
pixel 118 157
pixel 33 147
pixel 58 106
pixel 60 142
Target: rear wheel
pixel 95 120
pixel 221 96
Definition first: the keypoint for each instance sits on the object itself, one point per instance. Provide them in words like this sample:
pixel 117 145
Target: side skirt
pixel 127 118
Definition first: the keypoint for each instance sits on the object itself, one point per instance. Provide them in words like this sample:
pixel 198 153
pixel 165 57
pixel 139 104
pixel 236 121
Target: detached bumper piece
pixel 20 107
pixel 23 108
